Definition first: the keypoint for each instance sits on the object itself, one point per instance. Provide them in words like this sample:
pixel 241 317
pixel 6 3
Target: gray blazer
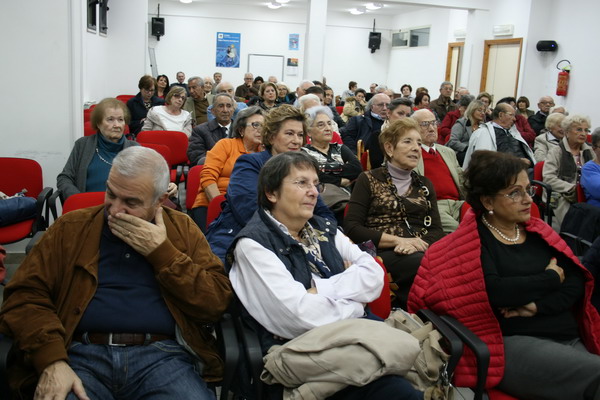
pixel 73 177
pixel 204 137
pixel 460 135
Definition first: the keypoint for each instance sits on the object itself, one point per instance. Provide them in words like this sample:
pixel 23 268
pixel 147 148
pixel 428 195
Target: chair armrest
pixel 453 343
pixel 547 208
pixel 33 241
pixel 6 344
pixel 178 174
pixel 478 347
pixel 57 195
pixel 42 210
pixel 228 345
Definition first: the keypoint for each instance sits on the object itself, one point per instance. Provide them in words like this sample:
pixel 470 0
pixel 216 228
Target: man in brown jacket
pixel 118 298
pixel 443 104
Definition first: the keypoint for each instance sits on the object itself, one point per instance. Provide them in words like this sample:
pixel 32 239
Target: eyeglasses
pixel 509 113
pixel 518 194
pixel 149 90
pixel 547 103
pixel 321 125
pixel 307 185
pixel 427 124
pixel 581 130
pixel 255 125
pixel 179 96
pixel 386 105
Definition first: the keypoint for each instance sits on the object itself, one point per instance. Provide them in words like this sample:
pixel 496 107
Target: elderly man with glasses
pixel 538 120
pixel 363 126
pixel 500 134
pixel 439 164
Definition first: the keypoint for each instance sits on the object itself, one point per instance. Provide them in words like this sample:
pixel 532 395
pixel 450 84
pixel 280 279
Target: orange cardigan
pixel 218 166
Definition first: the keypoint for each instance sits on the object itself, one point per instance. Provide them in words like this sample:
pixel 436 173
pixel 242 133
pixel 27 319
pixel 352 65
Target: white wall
pixel 114 63
pixel 190 41
pixel 574 26
pixel 36 116
pixel 421 66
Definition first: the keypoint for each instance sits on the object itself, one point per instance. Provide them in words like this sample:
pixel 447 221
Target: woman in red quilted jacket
pixel 515 283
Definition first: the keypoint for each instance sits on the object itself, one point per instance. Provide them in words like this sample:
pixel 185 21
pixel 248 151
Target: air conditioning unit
pixel 460 33
pixel 503 30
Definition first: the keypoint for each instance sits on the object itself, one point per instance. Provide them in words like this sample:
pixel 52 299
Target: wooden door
pixel 501 67
pixel 454 62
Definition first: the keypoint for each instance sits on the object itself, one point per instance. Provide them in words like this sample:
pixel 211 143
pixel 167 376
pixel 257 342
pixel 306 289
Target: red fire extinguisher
pixel 562 86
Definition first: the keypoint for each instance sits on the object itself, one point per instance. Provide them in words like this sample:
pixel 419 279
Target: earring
pixel 491 212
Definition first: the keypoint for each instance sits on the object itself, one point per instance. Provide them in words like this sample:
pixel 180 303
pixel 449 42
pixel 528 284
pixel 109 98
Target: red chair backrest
pixel 580 193
pixel 87 128
pixel 382 306
pixel 161 149
pixel 538 175
pixel 214 209
pixel 125 97
pixel 193 183
pixel 83 200
pixel 364 160
pixel 176 141
pixel 17 174
pixel 87 114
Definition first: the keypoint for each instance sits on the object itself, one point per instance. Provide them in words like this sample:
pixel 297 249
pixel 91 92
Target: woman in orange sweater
pixel 214 178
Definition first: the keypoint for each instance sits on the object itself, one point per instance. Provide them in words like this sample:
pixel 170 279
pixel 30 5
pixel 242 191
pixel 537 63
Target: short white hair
pixel 136 161
pixel 306 98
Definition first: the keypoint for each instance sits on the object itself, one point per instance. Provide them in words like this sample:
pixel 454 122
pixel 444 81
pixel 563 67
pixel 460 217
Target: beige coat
pixel 328 358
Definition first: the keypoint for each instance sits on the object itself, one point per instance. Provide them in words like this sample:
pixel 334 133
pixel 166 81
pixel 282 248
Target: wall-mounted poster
pixel 292 66
pixel 228 50
pixel 294 42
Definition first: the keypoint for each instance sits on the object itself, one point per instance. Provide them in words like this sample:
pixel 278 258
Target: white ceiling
pixel 390 6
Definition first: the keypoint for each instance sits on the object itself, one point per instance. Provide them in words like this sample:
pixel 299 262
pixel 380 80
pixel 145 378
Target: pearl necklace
pixel 97 152
pixel 502 235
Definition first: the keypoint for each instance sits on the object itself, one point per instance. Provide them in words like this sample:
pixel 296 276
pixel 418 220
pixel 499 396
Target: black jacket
pixel 138 111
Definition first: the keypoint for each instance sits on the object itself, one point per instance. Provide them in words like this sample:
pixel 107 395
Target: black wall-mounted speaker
pixel 374 41
pixel 158 26
pixel 547 45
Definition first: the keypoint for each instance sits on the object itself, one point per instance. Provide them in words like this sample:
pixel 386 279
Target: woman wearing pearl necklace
pixel 515 283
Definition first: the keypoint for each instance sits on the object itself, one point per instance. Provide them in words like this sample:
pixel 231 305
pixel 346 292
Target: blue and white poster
pixel 228 50
pixel 294 41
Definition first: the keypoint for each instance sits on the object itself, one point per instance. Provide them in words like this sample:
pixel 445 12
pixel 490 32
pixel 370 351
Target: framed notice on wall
pixel 228 50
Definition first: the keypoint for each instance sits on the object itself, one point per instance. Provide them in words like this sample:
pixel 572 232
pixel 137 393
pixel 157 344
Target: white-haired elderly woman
pixel 463 128
pixel 562 168
pixel 338 166
pixel 550 137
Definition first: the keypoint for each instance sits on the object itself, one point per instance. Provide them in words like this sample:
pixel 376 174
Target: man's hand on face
pixel 56 381
pixel 142 235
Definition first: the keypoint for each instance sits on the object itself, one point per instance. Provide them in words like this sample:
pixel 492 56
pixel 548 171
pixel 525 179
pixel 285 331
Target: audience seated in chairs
pixel 550 137
pixel 562 167
pixel 338 166
pixel 143 101
pixel 515 283
pixel 171 116
pixel 90 160
pixel 214 178
pixel 590 172
pixel 321 278
pixel 395 207
pixel 354 105
pixel 284 130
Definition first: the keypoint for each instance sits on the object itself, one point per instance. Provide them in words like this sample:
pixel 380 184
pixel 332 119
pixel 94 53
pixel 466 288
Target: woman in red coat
pixel 512 281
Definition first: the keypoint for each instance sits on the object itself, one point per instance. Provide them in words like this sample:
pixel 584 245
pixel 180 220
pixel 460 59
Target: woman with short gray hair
pixel 338 166
pixel 562 168
pixel 550 137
